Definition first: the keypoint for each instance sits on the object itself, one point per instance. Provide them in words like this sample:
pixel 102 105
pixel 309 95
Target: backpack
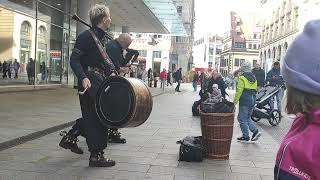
pixel 195 108
pixel 192 149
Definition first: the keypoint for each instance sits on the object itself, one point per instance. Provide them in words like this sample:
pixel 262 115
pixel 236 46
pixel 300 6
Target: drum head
pixel 114 102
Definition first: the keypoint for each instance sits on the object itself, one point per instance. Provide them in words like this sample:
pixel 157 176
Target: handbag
pixel 192 149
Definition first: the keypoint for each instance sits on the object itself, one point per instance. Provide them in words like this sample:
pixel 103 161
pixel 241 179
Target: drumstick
pixel 82 92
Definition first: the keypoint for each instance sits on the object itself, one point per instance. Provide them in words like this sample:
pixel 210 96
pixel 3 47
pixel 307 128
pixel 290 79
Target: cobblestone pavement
pixel 151 152
pixel 22 113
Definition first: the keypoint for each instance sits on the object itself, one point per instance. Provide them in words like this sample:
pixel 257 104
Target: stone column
pixel 82 11
pixel 83 7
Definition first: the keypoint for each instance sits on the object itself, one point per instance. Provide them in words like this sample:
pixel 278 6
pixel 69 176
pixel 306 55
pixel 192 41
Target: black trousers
pixel 89 125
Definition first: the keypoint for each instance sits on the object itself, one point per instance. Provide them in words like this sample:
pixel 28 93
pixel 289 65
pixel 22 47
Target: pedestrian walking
pixel 163 78
pixel 169 81
pixel 195 80
pixel 10 69
pixel 5 68
pixel 150 77
pixel 274 78
pixel 246 97
pixel 260 75
pixel 43 71
pixel 31 71
pixel 178 78
pixel 299 152
pixel 16 67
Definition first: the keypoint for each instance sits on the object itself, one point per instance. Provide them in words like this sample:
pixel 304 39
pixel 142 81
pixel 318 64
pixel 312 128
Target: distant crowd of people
pixel 11 69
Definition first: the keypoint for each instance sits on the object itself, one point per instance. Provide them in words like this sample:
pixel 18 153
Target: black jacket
pixel 260 76
pixel 86 54
pixel 178 75
pixel 131 55
pixel 115 53
pixel 221 85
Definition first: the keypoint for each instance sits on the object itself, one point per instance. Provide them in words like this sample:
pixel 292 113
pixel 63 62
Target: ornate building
pixel 286 21
pixel 241 43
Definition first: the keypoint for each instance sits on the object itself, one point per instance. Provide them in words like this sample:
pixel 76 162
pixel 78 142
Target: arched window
pixel 279 52
pixel 26 28
pixel 42 32
pixel 274 53
pixel 285 46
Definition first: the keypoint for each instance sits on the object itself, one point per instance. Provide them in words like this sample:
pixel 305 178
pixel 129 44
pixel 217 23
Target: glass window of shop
pixel 39 35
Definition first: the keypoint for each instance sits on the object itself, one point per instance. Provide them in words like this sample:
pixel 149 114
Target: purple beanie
pixel 301 66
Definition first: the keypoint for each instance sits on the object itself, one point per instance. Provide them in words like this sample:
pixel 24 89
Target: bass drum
pixel 123 102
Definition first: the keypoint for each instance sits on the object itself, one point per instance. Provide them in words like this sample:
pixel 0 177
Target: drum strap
pixel 102 50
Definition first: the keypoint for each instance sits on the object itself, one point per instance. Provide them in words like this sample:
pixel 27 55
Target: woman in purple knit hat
pixel 299 153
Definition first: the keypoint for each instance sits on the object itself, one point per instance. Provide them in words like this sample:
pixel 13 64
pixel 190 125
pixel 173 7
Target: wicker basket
pixel 217 130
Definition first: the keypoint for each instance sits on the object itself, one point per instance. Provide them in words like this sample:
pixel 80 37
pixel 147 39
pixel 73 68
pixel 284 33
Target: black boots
pixel 98 160
pixel 115 136
pixel 69 141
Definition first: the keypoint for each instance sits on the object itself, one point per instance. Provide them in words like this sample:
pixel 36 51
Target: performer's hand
pixel 124 70
pixel 86 83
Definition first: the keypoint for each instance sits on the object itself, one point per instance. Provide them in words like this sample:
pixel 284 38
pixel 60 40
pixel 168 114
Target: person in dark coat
pixel 30 71
pixel 115 50
pixel 5 68
pixel 217 79
pixel 85 59
pixel 150 77
pixel 169 78
pixel 259 74
pixel 178 77
pixel 195 81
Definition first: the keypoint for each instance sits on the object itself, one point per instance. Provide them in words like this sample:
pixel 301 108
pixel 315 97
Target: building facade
pixel 44 31
pixel 284 24
pixel 154 50
pixel 181 47
pixel 207 51
pixel 241 43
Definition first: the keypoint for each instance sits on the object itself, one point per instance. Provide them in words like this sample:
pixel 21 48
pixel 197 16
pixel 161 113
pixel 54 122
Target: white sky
pixel 214 15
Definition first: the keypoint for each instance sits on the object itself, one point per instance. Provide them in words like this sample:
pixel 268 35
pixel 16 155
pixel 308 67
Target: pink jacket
pixel 299 153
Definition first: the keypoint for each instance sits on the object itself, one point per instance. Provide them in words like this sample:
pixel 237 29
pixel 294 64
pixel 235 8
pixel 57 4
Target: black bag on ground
pixel 192 149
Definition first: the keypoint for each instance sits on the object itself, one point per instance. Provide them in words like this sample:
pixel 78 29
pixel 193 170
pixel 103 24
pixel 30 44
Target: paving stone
pixel 151 176
pixel 242 163
pixel 161 170
pixel 186 178
pixel 165 162
pixel 209 175
pixel 198 173
pixel 8 174
pixel 168 156
pixel 267 177
pixel 250 170
pixel 264 164
pixel 132 167
pixel 140 160
pixel 30 167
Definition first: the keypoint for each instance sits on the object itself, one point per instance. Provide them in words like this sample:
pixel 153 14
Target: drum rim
pixel 97 104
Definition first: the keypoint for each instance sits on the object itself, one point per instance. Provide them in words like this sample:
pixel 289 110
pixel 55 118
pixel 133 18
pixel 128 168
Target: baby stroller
pixel 263 108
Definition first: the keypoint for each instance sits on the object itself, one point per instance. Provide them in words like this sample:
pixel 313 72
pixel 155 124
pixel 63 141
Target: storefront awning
pixel 167 13
pixel 136 15
pixel 146 16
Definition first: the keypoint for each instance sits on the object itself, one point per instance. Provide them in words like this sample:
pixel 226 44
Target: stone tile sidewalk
pixel 22 113
pixel 151 152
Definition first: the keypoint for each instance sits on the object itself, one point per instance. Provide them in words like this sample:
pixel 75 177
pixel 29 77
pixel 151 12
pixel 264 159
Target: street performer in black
pixel 91 64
